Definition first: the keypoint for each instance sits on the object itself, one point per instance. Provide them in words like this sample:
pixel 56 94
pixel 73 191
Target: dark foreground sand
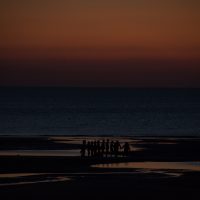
pixel 58 177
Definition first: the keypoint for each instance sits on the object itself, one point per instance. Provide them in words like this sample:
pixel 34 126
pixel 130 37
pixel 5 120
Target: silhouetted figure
pixel 95 148
pixel 107 147
pixel 112 148
pixel 126 148
pixel 92 148
pixel 98 148
pixel 83 148
pixel 116 148
pixel 103 147
pixel 89 148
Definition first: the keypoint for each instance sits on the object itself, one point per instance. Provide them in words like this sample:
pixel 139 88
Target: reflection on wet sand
pixel 173 169
pixel 30 178
pixel 73 152
pixel 13 179
pixel 194 166
pixel 17 175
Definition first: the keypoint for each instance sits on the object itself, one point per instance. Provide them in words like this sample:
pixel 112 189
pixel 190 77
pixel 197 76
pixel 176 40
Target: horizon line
pixel 94 87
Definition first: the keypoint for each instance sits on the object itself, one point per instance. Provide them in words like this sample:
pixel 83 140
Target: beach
pixel 100 100
pixel 157 167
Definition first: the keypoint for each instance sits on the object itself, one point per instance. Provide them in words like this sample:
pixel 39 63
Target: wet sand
pixel 59 176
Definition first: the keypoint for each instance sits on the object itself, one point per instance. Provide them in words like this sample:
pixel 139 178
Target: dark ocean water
pixel 71 111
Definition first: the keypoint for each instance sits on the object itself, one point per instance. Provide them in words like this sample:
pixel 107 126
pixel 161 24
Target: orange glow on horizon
pixel 100 31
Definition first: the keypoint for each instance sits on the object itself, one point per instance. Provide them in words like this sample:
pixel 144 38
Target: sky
pixel 100 43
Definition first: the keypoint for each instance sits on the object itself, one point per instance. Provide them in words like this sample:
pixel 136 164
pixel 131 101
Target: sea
pixel 33 111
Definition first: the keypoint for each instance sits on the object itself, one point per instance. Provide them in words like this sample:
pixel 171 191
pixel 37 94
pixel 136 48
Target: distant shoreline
pixel 120 136
pixel 102 87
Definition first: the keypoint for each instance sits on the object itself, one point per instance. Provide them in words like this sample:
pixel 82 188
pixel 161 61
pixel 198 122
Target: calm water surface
pixel 76 111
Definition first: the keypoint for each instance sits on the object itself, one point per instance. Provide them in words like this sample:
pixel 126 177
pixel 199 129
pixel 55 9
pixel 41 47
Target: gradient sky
pixel 134 43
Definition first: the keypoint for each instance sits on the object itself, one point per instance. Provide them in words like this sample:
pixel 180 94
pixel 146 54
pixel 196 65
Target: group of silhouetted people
pixel 104 148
